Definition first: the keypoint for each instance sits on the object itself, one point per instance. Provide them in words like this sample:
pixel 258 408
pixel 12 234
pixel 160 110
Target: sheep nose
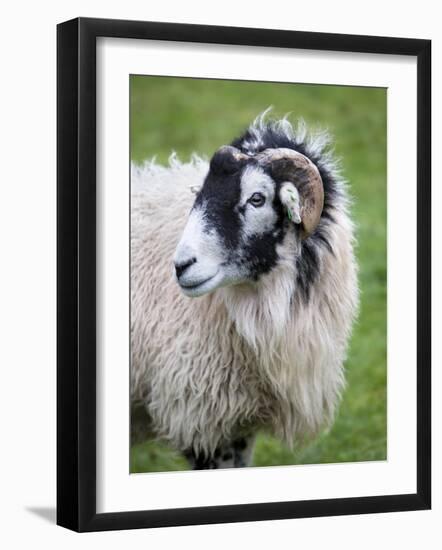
pixel 180 268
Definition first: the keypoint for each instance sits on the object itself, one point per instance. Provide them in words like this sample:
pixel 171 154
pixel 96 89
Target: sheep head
pixel 242 214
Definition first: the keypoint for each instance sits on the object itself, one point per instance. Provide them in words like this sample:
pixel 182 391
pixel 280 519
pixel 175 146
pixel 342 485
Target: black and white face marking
pixel 233 229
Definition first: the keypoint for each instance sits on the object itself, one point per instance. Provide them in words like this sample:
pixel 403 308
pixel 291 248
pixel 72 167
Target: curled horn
pixel 289 165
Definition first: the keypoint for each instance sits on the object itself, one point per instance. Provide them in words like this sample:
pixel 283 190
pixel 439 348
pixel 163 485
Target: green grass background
pixel 187 115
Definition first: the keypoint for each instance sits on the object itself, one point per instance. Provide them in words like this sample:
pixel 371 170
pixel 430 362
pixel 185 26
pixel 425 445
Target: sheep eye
pixel 257 200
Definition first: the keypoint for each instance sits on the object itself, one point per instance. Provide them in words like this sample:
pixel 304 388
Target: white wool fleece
pixel 245 357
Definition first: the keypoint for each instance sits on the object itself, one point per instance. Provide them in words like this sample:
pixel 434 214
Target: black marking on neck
pixel 308 264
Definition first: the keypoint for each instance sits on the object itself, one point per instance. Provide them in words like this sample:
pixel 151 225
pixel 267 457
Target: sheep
pixel 242 310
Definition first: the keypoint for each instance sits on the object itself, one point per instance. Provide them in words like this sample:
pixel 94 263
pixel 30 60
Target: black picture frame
pixel 76 273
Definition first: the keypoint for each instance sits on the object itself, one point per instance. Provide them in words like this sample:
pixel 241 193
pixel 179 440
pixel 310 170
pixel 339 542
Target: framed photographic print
pixel 243 274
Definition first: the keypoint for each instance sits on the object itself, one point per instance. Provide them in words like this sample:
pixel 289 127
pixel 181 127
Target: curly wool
pixel 246 357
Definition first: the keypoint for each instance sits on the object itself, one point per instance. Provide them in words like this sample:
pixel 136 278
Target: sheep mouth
pixel 201 287
pixel 194 286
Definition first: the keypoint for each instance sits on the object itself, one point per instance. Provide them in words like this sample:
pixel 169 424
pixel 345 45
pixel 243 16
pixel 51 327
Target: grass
pixel 187 115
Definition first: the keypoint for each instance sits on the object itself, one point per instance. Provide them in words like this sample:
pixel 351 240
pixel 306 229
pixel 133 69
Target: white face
pixel 232 232
pixel 201 249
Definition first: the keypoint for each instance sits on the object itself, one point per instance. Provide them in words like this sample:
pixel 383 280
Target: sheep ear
pixel 291 201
